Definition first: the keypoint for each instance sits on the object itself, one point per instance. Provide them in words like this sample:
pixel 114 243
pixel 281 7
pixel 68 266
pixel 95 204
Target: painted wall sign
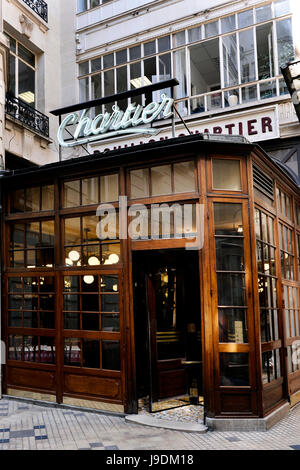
pixel 256 125
pixel 116 123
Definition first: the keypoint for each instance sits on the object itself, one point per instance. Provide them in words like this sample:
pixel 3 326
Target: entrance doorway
pixel 167 327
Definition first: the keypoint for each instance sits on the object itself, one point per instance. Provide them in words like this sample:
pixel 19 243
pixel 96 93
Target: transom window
pixel 233 60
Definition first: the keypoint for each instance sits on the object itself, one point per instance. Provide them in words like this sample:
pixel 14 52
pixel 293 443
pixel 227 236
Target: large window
pixel 22 72
pixel 237 55
pixel 267 290
pixel 83 5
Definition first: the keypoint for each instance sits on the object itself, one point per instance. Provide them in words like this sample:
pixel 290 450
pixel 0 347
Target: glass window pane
pixel 96 64
pixel 231 289
pixel 72 321
pixel 226 174
pixel 26 55
pixel 285 43
pixel 84 68
pixel 18 201
pixel 110 283
pixel 139 183
pixel 234 369
pixel 265 61
pixel 228 219
pixel 282 7
pixel 233 326
pixel 89 227
pixel 180 73
pixel 110 303
pixel 72 351
pixel 15 284
pixel 205 76
pixel 150 76
pixel 247 58
pixel 121 57
pixel 245 18
pixel 47 350
pixel 135 52
pixel 211 29
pixel 47 320
pixel 230 254
pixel 15 346
pixel 164 44
pixel 83 90
pixel 179 39
pixel 110 253
pixel 195 34
pixel 72 194
pixel 81 5
pixel 122 79
pixel 149 48
pixel 33 235
pixel 15 319
pixel 263 13
pixel 90 322
pixel 228 24
pixel 17 236
pixel 109 188
pixel 32 199
pixel 108 61
pixel 47 198
pixel 161 180
pixel 47 228
pixel 90 191
pixel 72 231
pixel 110 323
pixel 267 90
pixel 249 93
pixel 31 349
pixel 91 353
pixel 230 59
pixel 111 355
pixel 184 177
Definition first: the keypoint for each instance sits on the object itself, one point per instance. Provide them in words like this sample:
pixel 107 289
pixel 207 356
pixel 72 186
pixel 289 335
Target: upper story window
pixel 226 62
pixel 83 5
pixel 22 72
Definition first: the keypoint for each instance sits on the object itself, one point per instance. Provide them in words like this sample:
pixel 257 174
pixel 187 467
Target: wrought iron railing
pixel 40 7
pixel 29 116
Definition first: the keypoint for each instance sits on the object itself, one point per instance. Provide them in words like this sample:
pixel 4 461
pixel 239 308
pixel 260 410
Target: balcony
pixel 27 115
pixel 39 7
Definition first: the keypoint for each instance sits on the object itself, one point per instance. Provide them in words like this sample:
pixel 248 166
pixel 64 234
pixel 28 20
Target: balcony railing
pixel 39 6
pixel 27 115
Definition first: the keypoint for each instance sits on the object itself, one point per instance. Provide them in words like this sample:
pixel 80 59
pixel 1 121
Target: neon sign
pixel 113 124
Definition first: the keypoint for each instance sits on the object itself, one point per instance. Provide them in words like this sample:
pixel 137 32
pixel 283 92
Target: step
pixel 145 420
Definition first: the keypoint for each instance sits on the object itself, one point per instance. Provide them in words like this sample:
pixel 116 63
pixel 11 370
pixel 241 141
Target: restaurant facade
pixel 162 263
pixel 103 315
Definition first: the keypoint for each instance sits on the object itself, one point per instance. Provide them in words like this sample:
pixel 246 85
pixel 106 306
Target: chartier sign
pixel 115 124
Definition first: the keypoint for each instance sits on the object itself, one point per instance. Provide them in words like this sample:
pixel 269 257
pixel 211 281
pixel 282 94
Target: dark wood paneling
pixel 31 378
pixel 272 395
pixel 88 385
pixel 236 403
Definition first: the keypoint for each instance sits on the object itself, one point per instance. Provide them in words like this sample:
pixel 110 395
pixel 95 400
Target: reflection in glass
pixel 111 355
pixel 161 180
pixel 230 254
pixel 228 219
pixel 247 57
pixel 110 303
pixel 72 351
pixel 226 174
pixel 47 350
pixel 139 183
pixel 264 35
pixel 231 289
pixel 184 177
pixel 91 353
pixel 233 325
pixel 230 59
pixel 234 369
pixel 110 322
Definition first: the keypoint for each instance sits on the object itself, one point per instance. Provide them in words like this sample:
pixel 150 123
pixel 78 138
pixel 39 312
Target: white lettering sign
pixel 116 123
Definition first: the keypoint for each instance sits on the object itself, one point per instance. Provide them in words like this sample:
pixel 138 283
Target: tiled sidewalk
pixel 27 426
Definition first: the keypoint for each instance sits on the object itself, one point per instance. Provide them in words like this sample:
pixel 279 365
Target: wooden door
pixel 166 334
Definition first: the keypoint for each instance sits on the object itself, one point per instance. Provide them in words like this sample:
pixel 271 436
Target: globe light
pixel 88 279
pixel 74 255
pixel 68 262
pixel 93 261
pixel 112 259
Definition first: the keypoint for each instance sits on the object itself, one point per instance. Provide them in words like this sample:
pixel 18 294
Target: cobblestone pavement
pixel 28 426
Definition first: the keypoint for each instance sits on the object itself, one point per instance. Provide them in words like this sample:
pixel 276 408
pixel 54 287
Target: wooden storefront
pixel 79 312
